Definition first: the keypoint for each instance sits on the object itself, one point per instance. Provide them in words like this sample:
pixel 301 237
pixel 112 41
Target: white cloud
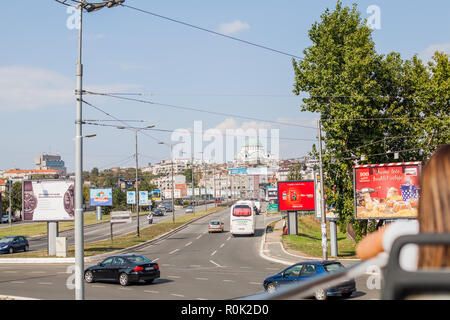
pixel 28 88
pixel 427 54
pixel 233 27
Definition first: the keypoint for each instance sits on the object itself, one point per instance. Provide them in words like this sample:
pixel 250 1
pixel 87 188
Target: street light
pixel 192 178
pixel 79 219
pixel 136 130
pixel 173 185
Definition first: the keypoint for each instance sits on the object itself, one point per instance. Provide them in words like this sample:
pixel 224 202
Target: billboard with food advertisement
pixel 48 200
pixel 386 191
pixel 296 195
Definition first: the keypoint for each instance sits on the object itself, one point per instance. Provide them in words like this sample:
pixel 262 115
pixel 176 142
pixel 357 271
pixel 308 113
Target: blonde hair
pixel 434 207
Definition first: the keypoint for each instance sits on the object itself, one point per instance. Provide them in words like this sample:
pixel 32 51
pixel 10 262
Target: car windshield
pixel 214 222
pixel 333 267
pixel 6 240
pixel 138 259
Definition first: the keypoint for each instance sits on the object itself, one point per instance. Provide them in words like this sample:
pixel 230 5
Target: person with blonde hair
pixel 433 217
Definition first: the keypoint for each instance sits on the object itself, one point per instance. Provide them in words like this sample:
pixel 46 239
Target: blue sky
pixel 127 51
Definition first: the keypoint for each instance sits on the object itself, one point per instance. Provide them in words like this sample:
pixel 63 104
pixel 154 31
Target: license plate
pixel 148 268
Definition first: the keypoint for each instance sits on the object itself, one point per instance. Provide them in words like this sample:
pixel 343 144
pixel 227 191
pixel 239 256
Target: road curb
pixel 100 256
pixel 8 297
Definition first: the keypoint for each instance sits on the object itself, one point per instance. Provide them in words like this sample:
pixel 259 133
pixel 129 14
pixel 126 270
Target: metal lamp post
pixel 79 219
pixel 136 130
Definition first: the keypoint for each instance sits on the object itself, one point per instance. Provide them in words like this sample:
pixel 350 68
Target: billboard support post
pixel 322 201
pixel 292 223
pixel 333 238
pixel 99 213
pixel 52 233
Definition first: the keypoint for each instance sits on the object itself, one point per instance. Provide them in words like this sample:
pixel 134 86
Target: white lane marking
pixel 229 238
pixel 166 265
pixel 17 282
pixel 155 259
pixel 188 244
pixel 214 252
pixel 63 272
pixel 177 295
pixel 222 245
pixel 218 265
pixel 244 267
pixel 37 272
pixel 272 269
pixel 200 299
pixel 174 251
pixel 45 283
pixel 228 280
pixel 97 286
pixel 199 236
pixel 126 289
pixel 195 266
pixel 10 271
pixel 201 278
pixel 150 291
pixel 175 277
pixel 258 283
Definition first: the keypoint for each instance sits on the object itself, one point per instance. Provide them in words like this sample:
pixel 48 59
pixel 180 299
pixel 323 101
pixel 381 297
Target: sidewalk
pixel 272 249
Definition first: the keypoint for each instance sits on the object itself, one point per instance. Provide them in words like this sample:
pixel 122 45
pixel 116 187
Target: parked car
pixel 189 209
pixel 5 219
pixel 166 206
pixel 124 269
pixel 158 212
pixel 306 270
pixel 215 226
pixel 13 244
pixel 16 219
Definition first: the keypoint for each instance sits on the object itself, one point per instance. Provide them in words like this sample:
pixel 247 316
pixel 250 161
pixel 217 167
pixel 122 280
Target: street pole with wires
pixel 137 184
pixel 322 200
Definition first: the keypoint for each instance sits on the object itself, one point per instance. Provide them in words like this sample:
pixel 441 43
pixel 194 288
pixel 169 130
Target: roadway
pixel 194 265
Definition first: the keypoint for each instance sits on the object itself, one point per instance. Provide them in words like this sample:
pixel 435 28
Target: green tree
pixel 358 93
pixel 295 173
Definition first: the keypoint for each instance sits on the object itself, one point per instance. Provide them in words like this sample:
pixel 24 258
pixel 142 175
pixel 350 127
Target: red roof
pixel 31 171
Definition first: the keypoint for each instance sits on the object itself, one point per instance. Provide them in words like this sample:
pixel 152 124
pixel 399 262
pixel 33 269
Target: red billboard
pixel 296 195
pixel 386 191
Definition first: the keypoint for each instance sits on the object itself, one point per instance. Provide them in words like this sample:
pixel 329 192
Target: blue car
pixel 13 244
pixel 306 270
pixel 4 219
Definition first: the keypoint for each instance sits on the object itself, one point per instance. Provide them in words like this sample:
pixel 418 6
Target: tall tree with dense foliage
pixel 369 104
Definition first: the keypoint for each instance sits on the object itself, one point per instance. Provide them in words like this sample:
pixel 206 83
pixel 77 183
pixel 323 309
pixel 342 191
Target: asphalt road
pixel 101 231
pixel 194 265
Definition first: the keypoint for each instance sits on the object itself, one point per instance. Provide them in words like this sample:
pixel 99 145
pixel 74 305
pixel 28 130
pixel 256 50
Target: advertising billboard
pixel 237 171
pixel 143 198
pixel 296 195
pixel 272 193
pixel 386 191
pixel 126 184
pixel 48 200
pixel 131 197
pixel 100 197
pixel 156 195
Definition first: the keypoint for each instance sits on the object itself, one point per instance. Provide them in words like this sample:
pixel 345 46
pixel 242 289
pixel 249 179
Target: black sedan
pixel 158 212
pixel 123 269
pixel 13 244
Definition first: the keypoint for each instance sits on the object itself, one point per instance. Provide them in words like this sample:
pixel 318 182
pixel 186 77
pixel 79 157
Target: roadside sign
pixel 120 217
pixel 131 197
pixel 143 198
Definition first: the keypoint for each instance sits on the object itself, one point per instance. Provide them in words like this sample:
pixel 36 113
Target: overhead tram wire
pixel 211 31
pixel 88 122
pixel 223 114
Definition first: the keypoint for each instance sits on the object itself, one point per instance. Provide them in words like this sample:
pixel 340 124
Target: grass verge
pixel 309 239
pixel 126 240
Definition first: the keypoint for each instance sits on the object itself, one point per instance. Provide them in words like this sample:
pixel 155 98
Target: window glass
pixel 118 261
pixel 107 261
pixel 293 271
pixel 138 259
pixel 333 267
pixel 242 211
pixel 308 270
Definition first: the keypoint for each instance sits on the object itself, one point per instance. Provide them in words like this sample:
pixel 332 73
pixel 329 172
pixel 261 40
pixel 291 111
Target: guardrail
pixel 398 283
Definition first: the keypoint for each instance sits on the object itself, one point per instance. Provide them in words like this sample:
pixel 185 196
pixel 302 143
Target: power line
pixel 211 31
pixel 200 110
pixel 194 132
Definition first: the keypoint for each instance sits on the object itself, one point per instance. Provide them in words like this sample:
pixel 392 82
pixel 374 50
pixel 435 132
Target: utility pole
pixel 192 178
pixel 10 201
pixel 173 187
pixel 322 209
pixel 78 194
pixel 215 196
pixel 137 184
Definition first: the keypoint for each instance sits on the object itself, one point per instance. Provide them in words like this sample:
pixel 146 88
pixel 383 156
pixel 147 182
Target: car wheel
pixel 271 287
pixel 123 279
pixel 149 281
pixel 25 248
pixel 89 276
pixel 321 294
pixel 11 250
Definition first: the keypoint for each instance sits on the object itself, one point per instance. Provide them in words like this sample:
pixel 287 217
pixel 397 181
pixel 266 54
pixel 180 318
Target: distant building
pixel 18 175
pixel 50 162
